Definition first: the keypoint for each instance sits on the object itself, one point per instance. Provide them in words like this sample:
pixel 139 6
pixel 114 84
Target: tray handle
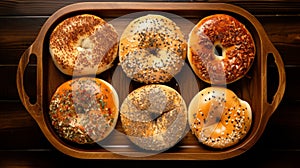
pixel 33 109
pixel 270 107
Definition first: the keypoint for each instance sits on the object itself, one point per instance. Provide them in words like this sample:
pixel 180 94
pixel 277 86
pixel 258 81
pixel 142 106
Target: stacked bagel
pixel 152 50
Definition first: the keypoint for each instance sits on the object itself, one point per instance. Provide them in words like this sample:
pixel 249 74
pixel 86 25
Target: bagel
pixel 152 49
pixel 83 45
pixel 220 49
pixel 218 118
pixel 84 110
pixel 154 117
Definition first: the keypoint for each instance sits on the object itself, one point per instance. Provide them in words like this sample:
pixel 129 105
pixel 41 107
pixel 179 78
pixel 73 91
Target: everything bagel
pixel 152 49
pixel 218 118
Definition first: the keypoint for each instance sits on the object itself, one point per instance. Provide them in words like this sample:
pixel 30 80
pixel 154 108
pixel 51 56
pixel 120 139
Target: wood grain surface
pixel 22 144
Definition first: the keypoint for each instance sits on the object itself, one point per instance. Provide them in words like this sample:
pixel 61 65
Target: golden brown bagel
pixel 218 118
pixel 220 49
pixel 84 110
pixel 152 49
pixel 154 117
pixel 83 45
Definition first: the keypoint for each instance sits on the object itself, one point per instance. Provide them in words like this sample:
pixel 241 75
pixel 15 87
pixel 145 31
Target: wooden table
pixel 22 144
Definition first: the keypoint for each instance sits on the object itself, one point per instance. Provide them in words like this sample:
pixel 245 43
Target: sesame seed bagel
pixel 218 118
pixel 152 49
pixel 220 49
pixel 84 110
pixel 154 117
pixel 83 45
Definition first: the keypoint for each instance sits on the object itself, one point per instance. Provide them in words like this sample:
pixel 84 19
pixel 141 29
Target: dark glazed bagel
pixel 220 49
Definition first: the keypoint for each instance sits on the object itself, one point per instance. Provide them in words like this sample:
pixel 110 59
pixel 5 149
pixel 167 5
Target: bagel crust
pixel 83 45
pixel 218 118
pixel 152 49
pixel 84 110
pixel 220 49
pixel 154 117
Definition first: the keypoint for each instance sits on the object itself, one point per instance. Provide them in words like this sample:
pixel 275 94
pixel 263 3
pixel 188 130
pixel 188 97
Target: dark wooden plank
pixel 18 32
pixel 14 116
pixel 22 144
pixel 282 29
pixel 9 87
pixel 40 7
pixel 266 7
pixel 18 130
pixel 283 129
pixel 292 85
pixel 23 139
pixel 11 56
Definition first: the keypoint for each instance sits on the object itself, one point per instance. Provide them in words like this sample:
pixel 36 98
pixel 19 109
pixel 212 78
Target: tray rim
pixel 35 109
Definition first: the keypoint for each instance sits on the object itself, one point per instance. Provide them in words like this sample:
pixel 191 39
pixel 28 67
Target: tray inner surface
pixel 247 88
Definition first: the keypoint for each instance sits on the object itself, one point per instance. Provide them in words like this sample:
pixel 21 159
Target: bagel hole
pixel 218 50
pixel 153 51
pixel 85 43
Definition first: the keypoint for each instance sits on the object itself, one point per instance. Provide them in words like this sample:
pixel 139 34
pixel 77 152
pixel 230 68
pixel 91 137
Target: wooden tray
pixel 252 88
